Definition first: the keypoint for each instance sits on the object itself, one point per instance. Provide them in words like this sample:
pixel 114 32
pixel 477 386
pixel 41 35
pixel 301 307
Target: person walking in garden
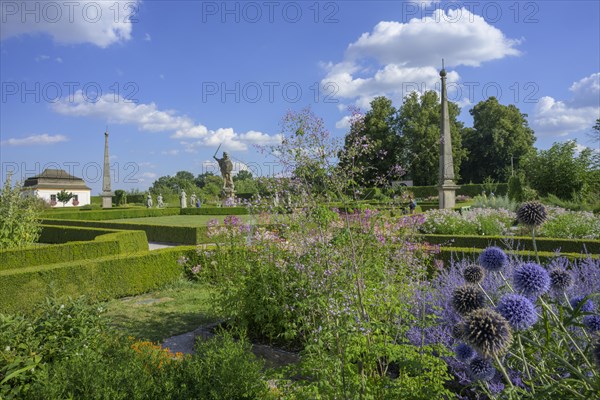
pixel 412 204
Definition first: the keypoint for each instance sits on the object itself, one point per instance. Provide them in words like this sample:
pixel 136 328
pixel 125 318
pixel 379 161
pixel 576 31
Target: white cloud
pixel 101 23
pixel 149 118
pixel 343 123
pixel 458 35
pixel 58 60
pixel 148 38
pixel 553 117
pixel 172 152
pixel 586 91
pixel 149 175
pixel 42 139
pixel 397 58
pixel 42 57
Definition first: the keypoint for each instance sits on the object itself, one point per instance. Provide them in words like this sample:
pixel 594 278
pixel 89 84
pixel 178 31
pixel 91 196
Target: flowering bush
pixel 477 221
pixel 571 224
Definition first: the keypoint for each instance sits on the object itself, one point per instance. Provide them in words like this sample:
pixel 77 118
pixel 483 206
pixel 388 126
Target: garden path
pixel 159 245
pixel 272 356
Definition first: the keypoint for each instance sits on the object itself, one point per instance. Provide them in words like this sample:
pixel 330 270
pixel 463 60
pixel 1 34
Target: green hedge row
pixel 106 242
pixel 471 189
pixel 518 243
pixel 214 211
pixel 447 254
pixel 129 241
pixel 61 234
pixel 99 279
pixel 101 215
pixel 154 233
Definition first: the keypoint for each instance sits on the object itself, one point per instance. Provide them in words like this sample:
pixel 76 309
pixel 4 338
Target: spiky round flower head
pixel 518 310
pixel 592 323
pixel 587 306
pixel 531 279
pixel 464 352
pixel 487 332
pixel 560 280
pixel 481 369
pixel 458 331
pixel 467 298
pixel 532 213
pixel 493 258
pixel 473 274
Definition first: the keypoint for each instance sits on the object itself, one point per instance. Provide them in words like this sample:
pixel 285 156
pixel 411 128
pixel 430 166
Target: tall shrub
pixel 19 217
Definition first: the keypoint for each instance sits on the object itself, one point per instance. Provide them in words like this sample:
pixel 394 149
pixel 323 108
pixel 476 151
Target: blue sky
pixel 174 79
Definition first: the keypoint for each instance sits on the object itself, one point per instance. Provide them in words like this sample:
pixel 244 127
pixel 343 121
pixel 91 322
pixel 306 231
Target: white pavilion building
pixel 50 182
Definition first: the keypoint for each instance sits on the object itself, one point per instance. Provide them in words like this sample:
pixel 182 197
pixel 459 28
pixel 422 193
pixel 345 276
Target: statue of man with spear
pixel 226 166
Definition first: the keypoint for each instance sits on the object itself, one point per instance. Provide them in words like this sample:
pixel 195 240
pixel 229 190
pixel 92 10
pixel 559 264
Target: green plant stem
pixel 506 282
pixel 568 364
pixel 571 308
pixel 537 257
pixel 503 370
pixel 525 363
pixel 564 329
pixel 486 295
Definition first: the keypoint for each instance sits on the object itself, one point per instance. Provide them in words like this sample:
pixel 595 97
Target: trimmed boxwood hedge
pixel 518 242
pixel 99 279
pixel 154 233
pixel 63 234
pixel 447 254
pixel 471 189
pixel 106 242
pixel 102 215
pixel 214 211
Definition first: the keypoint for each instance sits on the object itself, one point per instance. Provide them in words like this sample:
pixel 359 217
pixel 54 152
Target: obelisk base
pixel 447 195
pixel 107 200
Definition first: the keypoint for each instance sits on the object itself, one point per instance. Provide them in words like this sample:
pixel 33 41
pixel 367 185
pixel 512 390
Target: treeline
pixel 497 147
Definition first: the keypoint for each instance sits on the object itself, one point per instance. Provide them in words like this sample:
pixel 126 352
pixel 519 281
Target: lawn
pixel 175 309
pixel 177 220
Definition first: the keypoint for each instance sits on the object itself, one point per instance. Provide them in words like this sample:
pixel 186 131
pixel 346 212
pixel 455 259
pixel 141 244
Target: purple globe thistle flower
pixel 531 279
pixel 487 332
pixel 560 280
pixel 518 310
pixel 464 352
pixel 473 274
pixel 532 213
pixel 592 323
pixel 588 306
pixel 493 259
pixel 467 298
pixel 481 369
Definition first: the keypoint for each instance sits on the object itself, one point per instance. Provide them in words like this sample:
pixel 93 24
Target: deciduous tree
pixel 418 125
pixel 500 134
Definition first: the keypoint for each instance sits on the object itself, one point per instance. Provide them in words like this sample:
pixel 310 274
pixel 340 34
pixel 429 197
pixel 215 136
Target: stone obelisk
pixel 106 194
pixel 447 187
